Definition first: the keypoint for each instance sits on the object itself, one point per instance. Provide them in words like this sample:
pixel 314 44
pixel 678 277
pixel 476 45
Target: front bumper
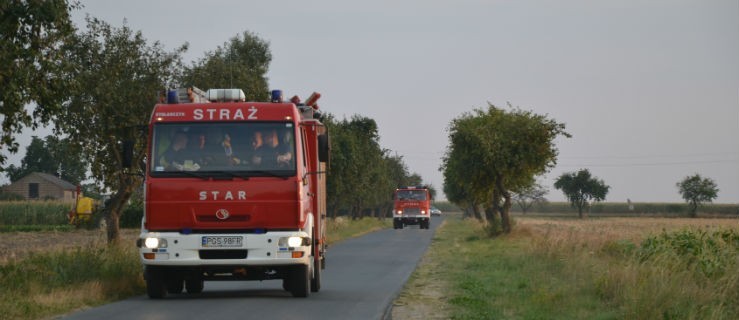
pixel 187 250
pixel 410 220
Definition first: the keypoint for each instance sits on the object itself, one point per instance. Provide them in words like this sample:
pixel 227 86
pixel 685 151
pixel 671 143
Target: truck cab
pixel 411 206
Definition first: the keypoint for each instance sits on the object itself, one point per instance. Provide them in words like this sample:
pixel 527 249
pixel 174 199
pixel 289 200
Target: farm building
pixel 42 186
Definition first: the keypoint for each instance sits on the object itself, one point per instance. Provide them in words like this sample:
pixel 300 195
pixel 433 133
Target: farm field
pixel 566 268
pixel 19 245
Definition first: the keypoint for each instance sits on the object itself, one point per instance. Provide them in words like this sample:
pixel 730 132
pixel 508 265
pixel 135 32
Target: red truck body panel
pixel 260 202
pixel 190 203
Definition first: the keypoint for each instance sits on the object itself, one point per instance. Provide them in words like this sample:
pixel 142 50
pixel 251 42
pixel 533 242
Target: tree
pixel 581 188
pixel 241 63
pixel 530 195
pixel 697 190
pixel 113 89
pixel 362 175
pixel 31 33
pixel 495 152
pixel 53 156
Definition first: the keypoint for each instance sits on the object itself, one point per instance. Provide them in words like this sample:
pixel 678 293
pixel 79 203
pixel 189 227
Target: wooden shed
pixel 42 186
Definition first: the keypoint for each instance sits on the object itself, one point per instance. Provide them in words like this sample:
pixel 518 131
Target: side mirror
pixel 324 148
pixel 127 153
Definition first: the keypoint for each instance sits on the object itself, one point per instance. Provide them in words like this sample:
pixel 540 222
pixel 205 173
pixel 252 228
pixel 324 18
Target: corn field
pixel 17 213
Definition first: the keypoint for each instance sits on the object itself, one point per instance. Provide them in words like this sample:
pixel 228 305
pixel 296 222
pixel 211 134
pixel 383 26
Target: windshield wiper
pixel 192 174
pixel 231 174
pixel 270 173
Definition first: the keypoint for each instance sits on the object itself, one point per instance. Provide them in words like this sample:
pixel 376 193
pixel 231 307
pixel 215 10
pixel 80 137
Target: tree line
pixel 97 85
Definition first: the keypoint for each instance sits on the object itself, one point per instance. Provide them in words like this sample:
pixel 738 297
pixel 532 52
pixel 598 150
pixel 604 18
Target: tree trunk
pixel 114 209
pixel 467 212
pixel 490 213
pixel 505 210
pixel 127 183
pixel 693 207
pixel 505 216
pixel 476 213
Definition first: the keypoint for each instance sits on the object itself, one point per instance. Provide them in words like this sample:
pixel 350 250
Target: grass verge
pixel 574 269
pixel 344 228
pixel 46 284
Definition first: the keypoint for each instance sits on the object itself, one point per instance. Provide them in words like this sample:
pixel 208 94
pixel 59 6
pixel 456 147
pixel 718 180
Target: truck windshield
pixel 411 195
pixel 251 149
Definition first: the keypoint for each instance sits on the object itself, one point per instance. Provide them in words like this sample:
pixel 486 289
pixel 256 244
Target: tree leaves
pixel 697 190
pixel 581 188
pixel 31 33
pixel 493 152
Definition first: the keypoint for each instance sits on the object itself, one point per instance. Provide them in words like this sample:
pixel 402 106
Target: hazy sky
pixel 648 89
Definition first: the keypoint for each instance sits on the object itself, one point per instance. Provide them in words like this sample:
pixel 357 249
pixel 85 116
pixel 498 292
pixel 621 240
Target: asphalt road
pixel 362 278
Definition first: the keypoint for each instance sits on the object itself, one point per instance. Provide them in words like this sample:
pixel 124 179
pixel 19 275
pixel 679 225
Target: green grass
pixel 579 270
pixel 499 279
pixel 343 228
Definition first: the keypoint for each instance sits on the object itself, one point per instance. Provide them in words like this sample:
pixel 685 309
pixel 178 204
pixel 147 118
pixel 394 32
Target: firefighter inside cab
pixel 224 147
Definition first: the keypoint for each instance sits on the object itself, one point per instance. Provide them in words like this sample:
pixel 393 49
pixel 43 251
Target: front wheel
pixel 315 282
pixel 155 286
pixel 194 285
pixel 300 280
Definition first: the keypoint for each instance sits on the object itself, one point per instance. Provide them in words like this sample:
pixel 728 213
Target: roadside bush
pixel 132 215
pixel 709 253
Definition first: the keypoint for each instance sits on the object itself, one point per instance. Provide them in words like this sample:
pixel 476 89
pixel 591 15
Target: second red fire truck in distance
pixel 412 206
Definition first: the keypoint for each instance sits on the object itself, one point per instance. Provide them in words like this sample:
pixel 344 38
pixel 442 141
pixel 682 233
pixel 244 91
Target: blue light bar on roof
pixel 276 96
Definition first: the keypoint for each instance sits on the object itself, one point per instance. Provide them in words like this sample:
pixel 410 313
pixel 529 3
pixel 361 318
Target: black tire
pixel 175 285
pixel 155 286
pixel 315 281
pixel 300 281
pixel 194 285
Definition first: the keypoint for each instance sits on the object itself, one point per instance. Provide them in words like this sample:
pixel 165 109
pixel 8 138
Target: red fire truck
pixel 234 190
pixel 412 206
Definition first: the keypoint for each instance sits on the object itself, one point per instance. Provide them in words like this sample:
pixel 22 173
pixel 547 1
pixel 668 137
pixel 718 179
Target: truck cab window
pixel 249 148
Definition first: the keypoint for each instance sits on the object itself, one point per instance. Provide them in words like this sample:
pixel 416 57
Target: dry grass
pixel 424 295
pixel 595 233
pixel 663 286
pixel 18 245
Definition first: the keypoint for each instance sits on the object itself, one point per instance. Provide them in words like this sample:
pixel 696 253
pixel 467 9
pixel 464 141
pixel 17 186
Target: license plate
pixel 222 241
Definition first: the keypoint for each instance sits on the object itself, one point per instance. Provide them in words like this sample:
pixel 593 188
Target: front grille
pixel 222 254
pixel 412 211
pixel 213 218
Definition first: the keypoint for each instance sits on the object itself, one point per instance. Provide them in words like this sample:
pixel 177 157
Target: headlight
pixel 152 243
pixel 423 211
pixel 399 212
pixel 293 242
